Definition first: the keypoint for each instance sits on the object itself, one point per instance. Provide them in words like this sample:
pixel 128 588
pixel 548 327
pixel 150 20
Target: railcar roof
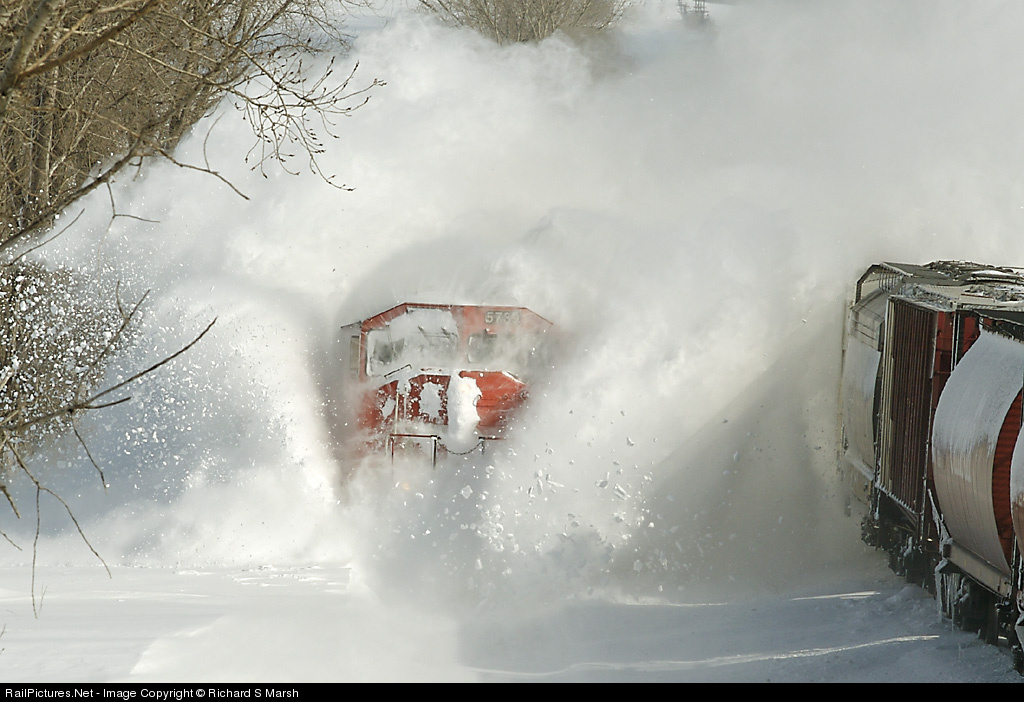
pixel 964 284
pixel 383 318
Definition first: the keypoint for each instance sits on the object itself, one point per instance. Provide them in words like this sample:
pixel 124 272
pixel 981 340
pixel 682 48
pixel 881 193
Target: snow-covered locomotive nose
pixel 438 379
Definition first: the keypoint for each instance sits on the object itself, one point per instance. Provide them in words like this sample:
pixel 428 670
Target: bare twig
pixel 8 540
pixel 89 403
pixel 88 453
pixel 203 169
pixel 35 543
pixel 40 488
pixel 47 241
pixel 10 501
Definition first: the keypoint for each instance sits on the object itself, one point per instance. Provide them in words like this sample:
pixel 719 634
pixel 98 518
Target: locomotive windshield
pixel 485 347
pixel 420 338
pixel 517 352
pixel 432 338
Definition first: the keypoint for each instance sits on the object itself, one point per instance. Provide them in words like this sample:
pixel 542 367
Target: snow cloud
pixel 689 208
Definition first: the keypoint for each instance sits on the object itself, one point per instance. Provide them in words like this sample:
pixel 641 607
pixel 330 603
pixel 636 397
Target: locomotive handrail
pixel 402 368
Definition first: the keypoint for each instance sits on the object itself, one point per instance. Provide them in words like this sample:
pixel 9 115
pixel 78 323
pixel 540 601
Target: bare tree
pixel 510 21
pixel 88 88
pixel 55 336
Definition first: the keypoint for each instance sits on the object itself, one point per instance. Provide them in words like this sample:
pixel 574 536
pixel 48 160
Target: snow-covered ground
pixel 689 208
pixel 306 624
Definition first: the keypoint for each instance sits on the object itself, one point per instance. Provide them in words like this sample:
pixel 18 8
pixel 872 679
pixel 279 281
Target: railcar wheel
pixel 869 532
pixel 1018 644
pixel 988 619
pixel 957 601
pixel 960 602
pixel 948 585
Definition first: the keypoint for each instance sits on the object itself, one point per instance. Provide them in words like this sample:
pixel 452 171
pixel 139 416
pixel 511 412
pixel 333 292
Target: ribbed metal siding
pixel 860 373
pixel 861 365
pixel 906 404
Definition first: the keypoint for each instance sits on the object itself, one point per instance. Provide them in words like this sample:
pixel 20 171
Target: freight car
pixel 425 380
pixel 933 371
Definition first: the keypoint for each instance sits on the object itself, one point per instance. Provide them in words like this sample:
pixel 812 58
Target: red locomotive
pixel 431 379
pixel 933 371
